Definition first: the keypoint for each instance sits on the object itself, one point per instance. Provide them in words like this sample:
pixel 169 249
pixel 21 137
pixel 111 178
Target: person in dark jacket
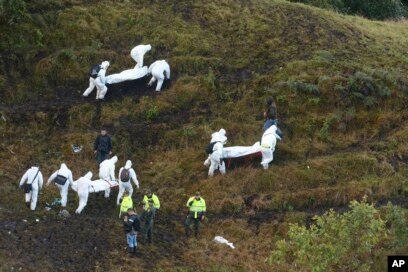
pixel 103 146
pixel 271 116
pixel 131 225
pixel 270 113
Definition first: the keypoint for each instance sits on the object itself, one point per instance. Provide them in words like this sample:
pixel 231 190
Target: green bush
pixel 368 89
pixel 12 11
pixel 376 9
pixel 336 242
pixel 373 9
pixel 337 5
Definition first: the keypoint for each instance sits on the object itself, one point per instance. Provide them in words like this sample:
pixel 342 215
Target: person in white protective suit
pixel 82 186
pixel 126 175
pixel 216 136
pixel 268 143
pixel 138 52
pixel 32 182
pixel 160 70
pixel 98 82
pixel 62 179
pixel 107 171
pixel 215 159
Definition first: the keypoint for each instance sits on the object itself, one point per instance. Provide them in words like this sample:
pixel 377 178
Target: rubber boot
pixel 28 204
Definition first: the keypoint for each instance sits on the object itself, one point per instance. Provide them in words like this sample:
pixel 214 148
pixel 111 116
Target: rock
pixel 65 213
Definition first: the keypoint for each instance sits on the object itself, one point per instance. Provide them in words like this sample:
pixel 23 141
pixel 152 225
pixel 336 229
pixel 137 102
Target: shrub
pixel 300 87
pixel 374 9
pixel 12 11
pixel 366 88
pixel 149 109
pixel 397 221
pixel 324 132
pixel 337 5
pixel 336 242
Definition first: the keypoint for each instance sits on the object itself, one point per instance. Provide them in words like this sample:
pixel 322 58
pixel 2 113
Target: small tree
pixel 336 242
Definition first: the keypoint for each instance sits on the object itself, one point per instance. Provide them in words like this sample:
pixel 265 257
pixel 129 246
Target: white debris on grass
pixel 222 240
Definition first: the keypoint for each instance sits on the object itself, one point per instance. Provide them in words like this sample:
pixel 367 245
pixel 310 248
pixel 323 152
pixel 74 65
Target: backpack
pixel 210 147
pixel 94 70
pixel 125 175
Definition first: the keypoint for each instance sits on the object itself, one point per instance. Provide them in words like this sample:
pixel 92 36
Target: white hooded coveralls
pixel 107 172
pixel 216 156
pixel 99 82
pixel 268 143
pixel 63 171
pixel 36 184
pixel 127 186
pixel 82 186
pixel 160 70
pixel 138 52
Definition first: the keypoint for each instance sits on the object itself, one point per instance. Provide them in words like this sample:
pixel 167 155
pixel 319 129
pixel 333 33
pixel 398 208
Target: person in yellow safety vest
pixel 197 209
pixel 126 204
pixel 148 217
pixel 150 196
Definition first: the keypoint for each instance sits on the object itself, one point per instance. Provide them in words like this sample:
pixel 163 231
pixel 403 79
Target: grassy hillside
pixel 340 83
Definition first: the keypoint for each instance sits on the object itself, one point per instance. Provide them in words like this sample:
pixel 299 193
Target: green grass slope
pixel 340 83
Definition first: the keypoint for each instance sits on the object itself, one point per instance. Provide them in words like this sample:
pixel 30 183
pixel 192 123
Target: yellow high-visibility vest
pixel 127 203
pixel 197 206
pixel 156 201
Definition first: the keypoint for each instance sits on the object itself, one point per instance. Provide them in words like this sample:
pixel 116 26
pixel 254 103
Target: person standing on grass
pixel 271 116
pixel 151 196
pixel 107 172
pixel 103 146
pixel 131 226
pixel 197 209
pixel 62 179
pixel 147 216
pixel 31 182
pixel 126 204
pixel 126 175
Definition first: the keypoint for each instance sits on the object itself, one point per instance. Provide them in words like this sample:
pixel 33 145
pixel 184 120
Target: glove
pixel 190 203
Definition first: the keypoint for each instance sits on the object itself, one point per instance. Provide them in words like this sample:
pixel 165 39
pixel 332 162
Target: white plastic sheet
pixel 222 240
pixel 125 75
pixel 240 151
